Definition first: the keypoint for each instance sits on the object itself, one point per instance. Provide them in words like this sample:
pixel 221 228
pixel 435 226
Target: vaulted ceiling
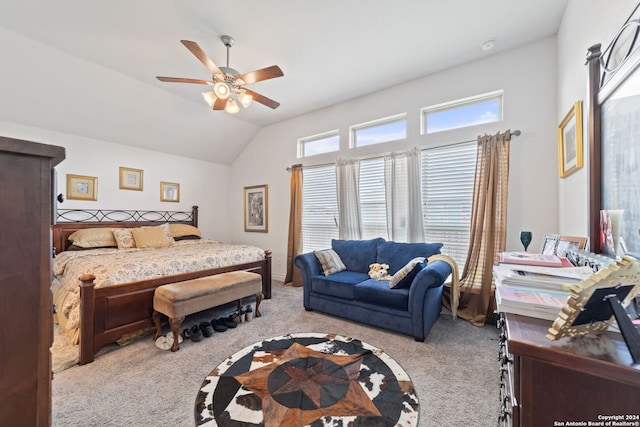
pixel 88 67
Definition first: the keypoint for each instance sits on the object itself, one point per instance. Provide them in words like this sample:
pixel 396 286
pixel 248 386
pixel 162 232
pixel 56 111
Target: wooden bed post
pixel 266 276
pixel 194 213
pixel 87 318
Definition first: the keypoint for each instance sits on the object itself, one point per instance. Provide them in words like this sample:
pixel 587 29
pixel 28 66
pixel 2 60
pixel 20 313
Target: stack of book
pixel 537 286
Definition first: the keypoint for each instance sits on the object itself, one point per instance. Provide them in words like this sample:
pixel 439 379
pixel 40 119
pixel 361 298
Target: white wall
pixel 585 23
pixel 526 74
pixel 201 183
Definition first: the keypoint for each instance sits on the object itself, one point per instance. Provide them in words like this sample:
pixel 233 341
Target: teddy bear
pixel 379 271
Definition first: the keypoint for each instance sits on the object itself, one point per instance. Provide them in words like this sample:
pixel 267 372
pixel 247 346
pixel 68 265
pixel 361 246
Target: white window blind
pixel 447 195
pixel 372 199
pixel 319 207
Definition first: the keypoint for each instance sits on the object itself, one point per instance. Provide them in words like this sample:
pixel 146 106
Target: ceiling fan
pixel 228 84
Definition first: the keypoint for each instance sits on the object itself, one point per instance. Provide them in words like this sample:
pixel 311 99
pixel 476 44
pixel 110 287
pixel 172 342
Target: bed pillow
pixel 330 261
pixel 152 237
pixel 404 277
pixel 80 248
pixel 124 238
pixel 184 232
pixel 181 238
pixel 94 238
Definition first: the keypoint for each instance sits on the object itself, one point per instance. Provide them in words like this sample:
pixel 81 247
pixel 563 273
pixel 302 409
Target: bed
pixel 109 308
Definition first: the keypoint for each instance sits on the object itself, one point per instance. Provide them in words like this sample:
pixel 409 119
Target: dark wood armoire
pixel 26 215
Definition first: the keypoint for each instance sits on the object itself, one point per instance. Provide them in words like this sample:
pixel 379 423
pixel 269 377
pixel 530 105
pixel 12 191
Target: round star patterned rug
pixel 308 379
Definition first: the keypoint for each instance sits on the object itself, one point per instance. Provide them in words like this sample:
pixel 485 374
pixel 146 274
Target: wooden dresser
pixel 554 383
pixel 26 212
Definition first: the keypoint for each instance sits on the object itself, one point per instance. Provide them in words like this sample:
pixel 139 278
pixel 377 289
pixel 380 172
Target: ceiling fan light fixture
pixel 210 97
pixel 232 107
pixel 221 90
pixel 245 99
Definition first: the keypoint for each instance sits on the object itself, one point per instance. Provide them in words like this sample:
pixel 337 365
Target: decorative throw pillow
pixel 152 237
pixel 94 238
pixel 404 276
pixel 331 262
pixel 124 237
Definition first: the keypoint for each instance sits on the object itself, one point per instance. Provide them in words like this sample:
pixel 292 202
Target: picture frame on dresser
pixel 555 244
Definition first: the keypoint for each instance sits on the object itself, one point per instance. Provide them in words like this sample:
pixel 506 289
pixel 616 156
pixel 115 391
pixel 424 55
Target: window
pixel 472 111
pixel 319 144
pixel 319 207
pixel 447 179
pixel 379 131
pixel 447 194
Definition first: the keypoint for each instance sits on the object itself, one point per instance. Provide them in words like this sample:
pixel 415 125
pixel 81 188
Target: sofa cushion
pixel 397 255
pixel 404 277
pixel 357 254
pixel 340 285
pixel 330 261
pixel 377 292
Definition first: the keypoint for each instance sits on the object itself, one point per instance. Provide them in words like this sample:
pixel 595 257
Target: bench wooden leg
pixel 156 321
pixel 175 328
pixel 258 300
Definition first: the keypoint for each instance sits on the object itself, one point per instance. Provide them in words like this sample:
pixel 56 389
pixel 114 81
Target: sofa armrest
pixel 431 276
pixel 309 267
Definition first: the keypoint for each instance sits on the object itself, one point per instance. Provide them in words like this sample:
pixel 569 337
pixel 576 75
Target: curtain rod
pixel 514 133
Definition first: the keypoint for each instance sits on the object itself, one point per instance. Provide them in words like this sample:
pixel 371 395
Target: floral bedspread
pixel 115 266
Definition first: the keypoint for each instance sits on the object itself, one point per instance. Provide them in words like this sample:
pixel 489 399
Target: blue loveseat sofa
pixel 411 309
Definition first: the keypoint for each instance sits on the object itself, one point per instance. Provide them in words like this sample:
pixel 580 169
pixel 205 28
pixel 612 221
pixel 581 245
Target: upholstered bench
pixel 177 300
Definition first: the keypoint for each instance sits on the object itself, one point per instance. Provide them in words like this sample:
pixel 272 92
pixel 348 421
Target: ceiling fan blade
pixel 183 80
pixel 220 104
pixel 262 99
pixel 199 53
pixel 260 75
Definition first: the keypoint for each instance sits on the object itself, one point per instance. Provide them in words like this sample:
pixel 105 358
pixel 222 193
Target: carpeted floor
pixel 455 372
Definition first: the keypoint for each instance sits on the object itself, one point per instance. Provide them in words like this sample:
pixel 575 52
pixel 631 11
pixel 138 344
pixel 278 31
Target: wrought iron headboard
pixel 119 215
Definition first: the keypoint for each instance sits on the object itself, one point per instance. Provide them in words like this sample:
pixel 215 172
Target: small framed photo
pixel 169 192
pixel 256 208
pixel 549 244
pixel 568 244
pixel 131 179
pixel 81 187
pixel 570 141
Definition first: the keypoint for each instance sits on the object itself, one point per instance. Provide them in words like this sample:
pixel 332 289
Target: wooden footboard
pixel 106 314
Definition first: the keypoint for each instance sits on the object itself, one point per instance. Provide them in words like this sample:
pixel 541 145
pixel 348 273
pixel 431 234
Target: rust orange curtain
pixel 488 228
pixel 294 243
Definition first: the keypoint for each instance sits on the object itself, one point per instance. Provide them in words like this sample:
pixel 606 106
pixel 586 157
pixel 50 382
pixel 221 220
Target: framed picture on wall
pixel 570 141
pixel 81 187
pixel 256 208
pixel 169 192
pixel 131 179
